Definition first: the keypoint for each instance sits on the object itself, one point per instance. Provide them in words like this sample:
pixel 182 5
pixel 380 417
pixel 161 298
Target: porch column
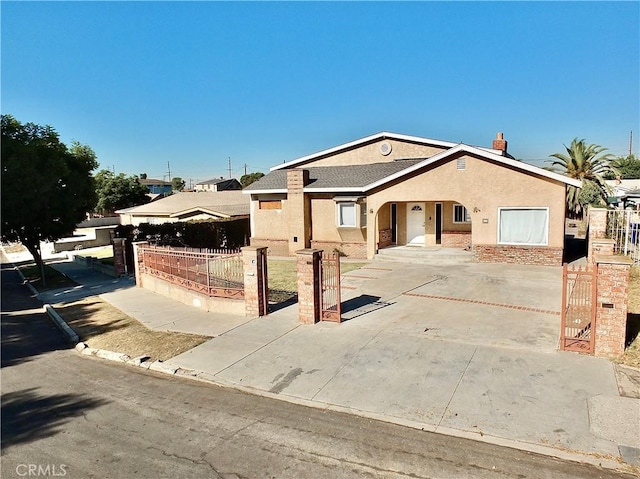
pixel 137 261
pixel 256 283
pixel 611 305
pixel 308 271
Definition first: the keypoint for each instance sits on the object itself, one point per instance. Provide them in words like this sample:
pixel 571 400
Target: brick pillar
pixel 611 305
pixel 298 207
pixel 137 261
pixel 597 228
pixel 119 262
pixel 308 265
pixel 601 247
pixel 256 283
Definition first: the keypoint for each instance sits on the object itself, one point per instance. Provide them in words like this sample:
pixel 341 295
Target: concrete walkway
pixel 469 350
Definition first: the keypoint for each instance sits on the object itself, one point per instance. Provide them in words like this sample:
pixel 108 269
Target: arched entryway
pixel 444 224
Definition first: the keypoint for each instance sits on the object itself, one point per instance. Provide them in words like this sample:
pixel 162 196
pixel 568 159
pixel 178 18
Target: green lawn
pixel 282 273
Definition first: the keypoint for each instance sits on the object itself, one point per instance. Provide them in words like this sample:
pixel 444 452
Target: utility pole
pixel 169 171
pixel 230 170
pixel 245 169
pixel 630 142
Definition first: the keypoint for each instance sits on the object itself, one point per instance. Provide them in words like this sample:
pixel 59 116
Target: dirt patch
pixel 53 278
pixel 103 326
pixel 631 355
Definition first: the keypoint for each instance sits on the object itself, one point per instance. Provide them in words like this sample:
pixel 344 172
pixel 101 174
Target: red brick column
pixel 597 228
pixel 119 261
pixel 137 261
pixel 256 282
pixel 611 305
pixel 308 264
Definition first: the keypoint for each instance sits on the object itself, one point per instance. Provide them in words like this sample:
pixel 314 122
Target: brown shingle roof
pixel 349 176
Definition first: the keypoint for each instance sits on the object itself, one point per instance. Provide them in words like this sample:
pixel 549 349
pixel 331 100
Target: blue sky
pixel 194 83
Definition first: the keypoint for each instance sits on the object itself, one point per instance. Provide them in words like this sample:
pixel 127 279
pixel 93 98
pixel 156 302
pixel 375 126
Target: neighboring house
pixel 626 193
pixel 219 185
pixel 390 189
pixel 157 187
pixel 186 206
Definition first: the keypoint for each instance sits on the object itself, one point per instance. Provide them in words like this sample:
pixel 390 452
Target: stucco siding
pixel 323 219
pixel 272 224
pixel 482 187
pixel 370 153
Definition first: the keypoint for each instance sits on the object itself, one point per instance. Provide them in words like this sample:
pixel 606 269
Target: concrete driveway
pixel 512 306
pixel 466 349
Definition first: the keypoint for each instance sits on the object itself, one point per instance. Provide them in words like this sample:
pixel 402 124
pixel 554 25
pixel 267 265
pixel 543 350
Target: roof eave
pixel 480 152
pixel 351 144
pixel 264 192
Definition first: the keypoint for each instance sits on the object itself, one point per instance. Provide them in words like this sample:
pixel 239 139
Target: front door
pixel 415 224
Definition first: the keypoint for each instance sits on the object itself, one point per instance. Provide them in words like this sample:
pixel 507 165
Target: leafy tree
pixel 590 195
pixel 588 163
pixel 246 180
pixel 177 184
pixel 628 167
pixel 116 192
pixel 47 188
pixel 143 176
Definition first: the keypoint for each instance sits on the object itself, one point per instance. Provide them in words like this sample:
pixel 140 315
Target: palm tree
pixel 584 162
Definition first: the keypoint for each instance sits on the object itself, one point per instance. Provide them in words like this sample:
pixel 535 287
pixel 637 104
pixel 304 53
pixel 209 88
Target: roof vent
pixel 385 148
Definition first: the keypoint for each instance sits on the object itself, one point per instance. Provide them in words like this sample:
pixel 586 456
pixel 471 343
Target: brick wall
pixel 119 262
pixel 308 275
pixel 456 239
pixel 611 305
pixel 385 238
pixel 597 223
pixel 597 229
pixel 256 285
pixel 351 250
pixel 536 255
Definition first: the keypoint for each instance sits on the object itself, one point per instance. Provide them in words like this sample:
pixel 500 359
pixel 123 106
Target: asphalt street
pixel 66 415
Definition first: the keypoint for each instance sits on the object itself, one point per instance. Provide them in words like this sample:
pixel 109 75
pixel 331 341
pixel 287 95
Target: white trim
pixel 201 209
pixel 264 192
pixel 500 208
pixel 339 215
pixel 378 136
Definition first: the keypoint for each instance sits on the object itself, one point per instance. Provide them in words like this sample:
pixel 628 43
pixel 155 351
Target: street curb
pixel 57 319
pixel 33 290
pixel 199 376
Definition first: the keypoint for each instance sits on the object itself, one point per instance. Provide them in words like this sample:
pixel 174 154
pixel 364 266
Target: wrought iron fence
pixel 330 288
pixel 218 273
pixel 623 226
pixel 578 309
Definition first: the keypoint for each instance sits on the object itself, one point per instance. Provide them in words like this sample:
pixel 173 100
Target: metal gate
pixel 578 309
pixel 263 284
pixel 330 288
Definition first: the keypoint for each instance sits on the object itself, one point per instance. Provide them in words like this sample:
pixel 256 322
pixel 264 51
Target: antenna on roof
pixel 230 170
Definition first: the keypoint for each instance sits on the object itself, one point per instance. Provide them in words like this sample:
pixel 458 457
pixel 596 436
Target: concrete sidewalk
pixel 384 364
